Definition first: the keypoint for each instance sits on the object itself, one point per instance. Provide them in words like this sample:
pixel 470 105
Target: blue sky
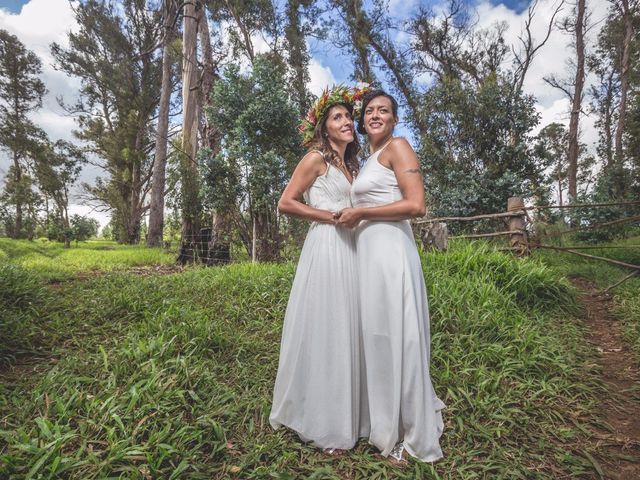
pixel 41 22
pixel 13 6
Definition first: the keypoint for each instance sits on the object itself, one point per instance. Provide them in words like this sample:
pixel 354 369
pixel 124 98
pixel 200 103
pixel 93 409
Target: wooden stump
pixel 436 236
pixel 518 224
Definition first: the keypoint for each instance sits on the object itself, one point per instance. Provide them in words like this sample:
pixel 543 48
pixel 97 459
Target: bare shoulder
pixel 313 161
pixel 401 154
pixel 399 146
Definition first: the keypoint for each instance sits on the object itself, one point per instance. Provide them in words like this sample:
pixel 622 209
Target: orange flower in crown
pixel 340 94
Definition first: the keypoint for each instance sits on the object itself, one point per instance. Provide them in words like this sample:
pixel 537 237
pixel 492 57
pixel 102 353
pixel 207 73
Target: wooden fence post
pixel 518 224
pixel 436 235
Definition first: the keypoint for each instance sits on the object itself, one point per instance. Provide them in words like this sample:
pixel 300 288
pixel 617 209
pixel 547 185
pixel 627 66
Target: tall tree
pixel 298 54
pixel 156 206
pixel 627 10
pixel 576 25
pixel 358 25
pixel 113 54
pixel 21 92
pixel 191 209
pixel 576 107
pixel 552 142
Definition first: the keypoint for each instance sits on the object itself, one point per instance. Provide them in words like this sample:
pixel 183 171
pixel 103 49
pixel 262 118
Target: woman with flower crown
pixel 319 392
pixel 405 413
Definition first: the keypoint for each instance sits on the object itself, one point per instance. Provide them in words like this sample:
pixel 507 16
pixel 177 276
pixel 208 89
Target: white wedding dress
pixel 319 392
pixel 404 409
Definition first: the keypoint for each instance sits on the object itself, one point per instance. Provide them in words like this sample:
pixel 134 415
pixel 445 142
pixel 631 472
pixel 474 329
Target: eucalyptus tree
pixel 21 92
pixel 576 24
pixel 298 54
pixel 156 204
pixel 113 54
pixel 615 97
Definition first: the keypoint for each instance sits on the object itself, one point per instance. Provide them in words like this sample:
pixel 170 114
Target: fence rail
pixel 435 233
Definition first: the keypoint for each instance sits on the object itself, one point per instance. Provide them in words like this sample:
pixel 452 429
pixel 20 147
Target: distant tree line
pixel 191 107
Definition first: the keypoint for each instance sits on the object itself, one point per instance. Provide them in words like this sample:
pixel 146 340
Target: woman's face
pixel 339 125
pixel 378 117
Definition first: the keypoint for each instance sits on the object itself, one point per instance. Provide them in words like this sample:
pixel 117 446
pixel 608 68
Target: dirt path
pixel 618 439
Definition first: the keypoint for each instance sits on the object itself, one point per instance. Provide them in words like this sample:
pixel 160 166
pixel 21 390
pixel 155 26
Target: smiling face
pixel 378 117
pixel 339 125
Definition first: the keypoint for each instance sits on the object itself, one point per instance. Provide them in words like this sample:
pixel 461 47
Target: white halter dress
pixel 404 409
pixel 318 385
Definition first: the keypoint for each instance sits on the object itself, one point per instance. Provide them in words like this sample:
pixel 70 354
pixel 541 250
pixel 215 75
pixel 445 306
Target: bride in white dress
pixel 404 409
pixel 317 391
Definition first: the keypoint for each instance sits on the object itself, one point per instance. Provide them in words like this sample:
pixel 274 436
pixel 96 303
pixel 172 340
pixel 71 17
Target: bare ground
pixel 618 436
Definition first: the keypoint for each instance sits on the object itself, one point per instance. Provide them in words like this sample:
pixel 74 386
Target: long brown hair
pixel 321 143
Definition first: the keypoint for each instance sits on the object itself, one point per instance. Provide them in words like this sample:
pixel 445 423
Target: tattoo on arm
pixel 412 170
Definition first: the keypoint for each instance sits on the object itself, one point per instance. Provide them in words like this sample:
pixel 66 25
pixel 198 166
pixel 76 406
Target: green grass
pixel 170 376
pixel 52 261
pixel 626 297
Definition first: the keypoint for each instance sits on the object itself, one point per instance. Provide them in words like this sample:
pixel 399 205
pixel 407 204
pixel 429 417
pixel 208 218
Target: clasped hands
pixel 348 217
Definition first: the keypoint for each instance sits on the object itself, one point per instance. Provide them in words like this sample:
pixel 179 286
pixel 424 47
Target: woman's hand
pixel 349 217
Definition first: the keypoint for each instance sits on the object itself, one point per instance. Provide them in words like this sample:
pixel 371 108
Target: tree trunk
pixel 576 103
pixel 156 210
pixel 625 64
pixel 298 56
pixel 219 246
pixel 608 122
pixel 189 248
pixel 135 216
pixel 18 224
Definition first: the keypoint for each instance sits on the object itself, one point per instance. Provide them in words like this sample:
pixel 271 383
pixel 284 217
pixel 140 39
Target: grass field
pixel 119 374
pixel 626 296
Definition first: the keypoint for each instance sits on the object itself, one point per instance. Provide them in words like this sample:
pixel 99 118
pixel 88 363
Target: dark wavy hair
pixel 365 101
pixel 321 143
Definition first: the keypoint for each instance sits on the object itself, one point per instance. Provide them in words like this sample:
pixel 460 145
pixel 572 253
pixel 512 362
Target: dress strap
pixel 315 150
pixel 382 147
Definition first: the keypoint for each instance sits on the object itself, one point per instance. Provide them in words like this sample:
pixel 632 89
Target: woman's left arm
pixel 399 157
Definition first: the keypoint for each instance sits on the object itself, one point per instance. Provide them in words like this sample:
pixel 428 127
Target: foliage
pixel 476 152
pixel 259 146
pixel 605 190
pixel 551 147
pixel 21 91
pixel 171 376
pixel 109 53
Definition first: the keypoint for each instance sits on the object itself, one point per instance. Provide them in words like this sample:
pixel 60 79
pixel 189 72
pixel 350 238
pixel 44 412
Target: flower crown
pixel 340 94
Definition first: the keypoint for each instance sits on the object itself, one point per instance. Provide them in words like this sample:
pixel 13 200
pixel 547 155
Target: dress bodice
pixel 329 191
pixel 375 184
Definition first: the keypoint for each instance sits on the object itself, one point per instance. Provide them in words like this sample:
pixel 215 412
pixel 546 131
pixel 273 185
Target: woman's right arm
pixel 309 168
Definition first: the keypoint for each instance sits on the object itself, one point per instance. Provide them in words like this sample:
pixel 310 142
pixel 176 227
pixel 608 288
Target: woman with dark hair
pixel 318 386
pixel 404 409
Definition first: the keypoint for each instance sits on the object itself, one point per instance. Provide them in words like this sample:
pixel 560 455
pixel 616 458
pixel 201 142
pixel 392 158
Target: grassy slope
pixel 171 376
pixel 626 296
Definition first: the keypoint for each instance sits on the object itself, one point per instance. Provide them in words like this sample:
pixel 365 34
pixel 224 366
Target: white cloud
pixel 320 77
pixel 40 23
pixel 552 59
